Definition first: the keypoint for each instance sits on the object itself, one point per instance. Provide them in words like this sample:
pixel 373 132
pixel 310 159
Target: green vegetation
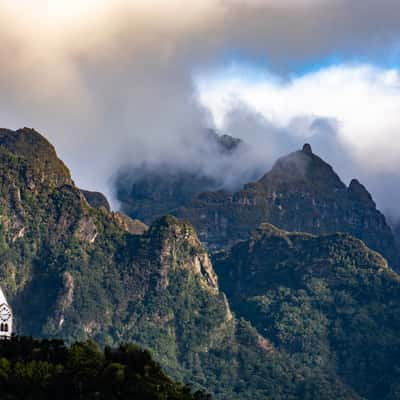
pixel 73 272
pixel 329 303
pixel 300 193
pixel 32 370
pixel 313 317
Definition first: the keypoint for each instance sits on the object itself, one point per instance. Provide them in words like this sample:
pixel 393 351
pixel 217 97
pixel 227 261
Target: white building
pixel 6 317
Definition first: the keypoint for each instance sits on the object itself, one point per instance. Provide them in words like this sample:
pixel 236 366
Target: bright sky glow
pixel 56 11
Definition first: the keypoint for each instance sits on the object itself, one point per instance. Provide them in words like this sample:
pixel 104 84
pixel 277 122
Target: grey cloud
pixel 118 89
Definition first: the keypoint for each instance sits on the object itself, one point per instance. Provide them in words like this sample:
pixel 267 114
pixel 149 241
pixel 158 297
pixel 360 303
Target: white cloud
pixel 364 100
pixel 110 81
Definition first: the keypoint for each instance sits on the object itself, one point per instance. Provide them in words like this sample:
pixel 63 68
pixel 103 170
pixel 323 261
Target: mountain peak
pixel 302 168
pixel 307 149
pixel 300 193
pixel 30 145
pixel 360 193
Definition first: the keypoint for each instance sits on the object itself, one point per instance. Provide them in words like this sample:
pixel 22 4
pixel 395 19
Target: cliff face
pixel 300 193
pixel 74 271
pixel 151 191
pixel 328 301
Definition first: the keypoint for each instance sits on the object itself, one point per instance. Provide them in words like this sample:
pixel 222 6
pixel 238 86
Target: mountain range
pixel 271 314
pixel 300 193
pixel 150 191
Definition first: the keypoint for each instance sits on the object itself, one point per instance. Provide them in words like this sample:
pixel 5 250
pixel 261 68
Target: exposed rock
pixel 91 327
pixel 359 193
pixel 66 298
pixel 151 191
pixel 69 286
pixel 265 344
pixel 300 193
pixel 307 149
pixel 20 234
pixel 175 243
pixel 87 230
pixel 202 265
pixel 133 226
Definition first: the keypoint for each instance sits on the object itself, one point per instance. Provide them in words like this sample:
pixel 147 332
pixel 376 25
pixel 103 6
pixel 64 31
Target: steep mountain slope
pixel 300 193
pixel 148 192
pixel 96 199
pixel 328 301
pixel 73 271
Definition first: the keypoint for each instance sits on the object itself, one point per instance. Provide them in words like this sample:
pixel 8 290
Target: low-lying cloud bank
pixel 111 83
pixel 349 113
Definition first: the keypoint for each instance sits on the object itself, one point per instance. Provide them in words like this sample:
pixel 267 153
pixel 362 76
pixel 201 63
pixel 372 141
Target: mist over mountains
pixel 282 315
pixel 215 183
pixel 119 87
pixel 301 192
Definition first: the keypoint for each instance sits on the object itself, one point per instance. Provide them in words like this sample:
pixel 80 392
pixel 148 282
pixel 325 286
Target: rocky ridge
pixel 147 192
pixel 74 271
pixel 300 193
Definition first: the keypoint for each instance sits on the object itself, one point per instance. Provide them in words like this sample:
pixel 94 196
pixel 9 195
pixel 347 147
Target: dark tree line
pixel 33 369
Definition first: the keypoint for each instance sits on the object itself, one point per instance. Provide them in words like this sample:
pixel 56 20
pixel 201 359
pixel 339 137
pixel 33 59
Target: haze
pixel 115 83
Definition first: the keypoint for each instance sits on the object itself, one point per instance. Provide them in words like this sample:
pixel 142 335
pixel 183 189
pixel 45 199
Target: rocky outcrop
pixel 180 247
pixel 87 230
pixel 66 297
pixel 96 199
pixel 45 166
pixel 132 226
pixel 300 193
pixel 74 271
pixel 151 191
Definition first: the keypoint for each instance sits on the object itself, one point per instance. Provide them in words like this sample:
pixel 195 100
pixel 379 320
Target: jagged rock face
pixel 158 192
pixel 66 242
pixel 75 272
pixel 300 193
pixel 132 226
pixel 329 300
pixel 177 243
pixel 151 191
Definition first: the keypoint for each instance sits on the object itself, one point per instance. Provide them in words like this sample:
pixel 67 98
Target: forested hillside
pixel 328 302
pixel 298 316
pixel 45 370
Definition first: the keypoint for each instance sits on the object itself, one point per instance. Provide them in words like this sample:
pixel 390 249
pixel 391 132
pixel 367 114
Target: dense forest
pixel 280 315
pixel 47 369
